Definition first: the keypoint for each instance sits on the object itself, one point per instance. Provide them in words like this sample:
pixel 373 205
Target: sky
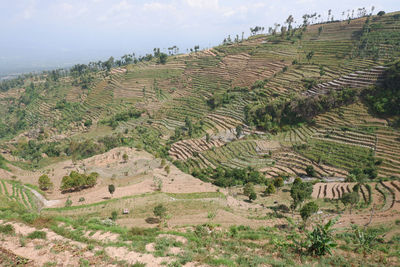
pixel 45 34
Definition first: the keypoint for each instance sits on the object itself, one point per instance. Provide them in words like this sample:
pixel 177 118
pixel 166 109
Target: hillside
pixel 320 102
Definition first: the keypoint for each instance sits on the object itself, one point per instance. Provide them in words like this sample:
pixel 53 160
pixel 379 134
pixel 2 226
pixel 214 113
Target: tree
pixel 278 182
pixel 310 171
pixel 350 199
pixel 163 58
pixel 111 189
pixel 207 137
pixel 310 55
pixel 125 157
pixel 307 210
pixel 299 192
pixel 381 13
pixel 252 196
pixel 114 215
pixel 320 241
pixel 109 64
pixel 239 130
pixel 248 190
pixel 189 126
pixel 44 182
pixel 160 211
pixel 270 189
pixel 289 22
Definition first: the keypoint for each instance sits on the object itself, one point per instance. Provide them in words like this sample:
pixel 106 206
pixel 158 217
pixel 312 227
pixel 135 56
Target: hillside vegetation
pixel 180 149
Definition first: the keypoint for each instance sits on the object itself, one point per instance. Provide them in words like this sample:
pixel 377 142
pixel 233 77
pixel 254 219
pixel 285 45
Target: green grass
pixel 37 235
pixel 335 154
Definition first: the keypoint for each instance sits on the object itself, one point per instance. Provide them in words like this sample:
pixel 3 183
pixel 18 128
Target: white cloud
pixel 206 4
pixel 29 10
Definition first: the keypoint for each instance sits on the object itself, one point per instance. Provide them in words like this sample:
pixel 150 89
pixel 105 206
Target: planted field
pixel 14 191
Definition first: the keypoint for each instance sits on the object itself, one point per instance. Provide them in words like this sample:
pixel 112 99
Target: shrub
pixel 37 235
pixel 278 182
pixel 249 191
pixel 308 210
pixel 7 229
pixel 270 189
pixel 68 202
pixel 299 192
pixel 111 189
pixel 381 13
pixel 350 199
pixel 44 182
pixel 320 241
pixel 114 215
pixel 29 217
pixel 310 171
pixel 160 211
pixel 252 196
pixel 76 181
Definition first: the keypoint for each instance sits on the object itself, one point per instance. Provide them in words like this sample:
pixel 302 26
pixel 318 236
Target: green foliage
pixel 7 229
pixel 252 196
pixel 277 113
pixel 278 182
pixel 308 209
pixel 310 171
pixel 365 239
pixel 218 100
pixel 3 162
pixel 320 241
pixel 299 192
pixel 37 235
pixel 249 191
pixel 114 215
pixel 68 202
pixel 385 99
pixel 225 177
pixel 163 58
pixel 351 199
pixel 76 181
pixel 122 116
pixel 111 188
pixel 6 85
pixel 239 130
pixel 29 217
pixel 160 211
pixel 44 182
pixel 270 189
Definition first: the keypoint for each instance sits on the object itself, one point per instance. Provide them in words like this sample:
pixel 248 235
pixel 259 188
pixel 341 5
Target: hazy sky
pixel 50 33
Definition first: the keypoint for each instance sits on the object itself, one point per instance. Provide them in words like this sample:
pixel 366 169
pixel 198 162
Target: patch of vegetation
pixel 76 181
pixel 225 177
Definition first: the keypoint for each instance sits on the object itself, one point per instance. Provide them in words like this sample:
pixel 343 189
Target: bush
pixel 350 199
pixel 308 210
pixel 299 192
pixel 29 217
pixel 310 171
pixel 7 229
pixel 270 189
pixel 76 181
pixel 278 182
pixel 44 182
pixel 381 13
pixel 114 215
pixel 160 211
pixel 68 202
pixel 37 235
pixel 252 196
pixel 320 241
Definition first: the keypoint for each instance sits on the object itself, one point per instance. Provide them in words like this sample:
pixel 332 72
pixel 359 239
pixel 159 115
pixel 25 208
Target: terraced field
pixel 16 192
